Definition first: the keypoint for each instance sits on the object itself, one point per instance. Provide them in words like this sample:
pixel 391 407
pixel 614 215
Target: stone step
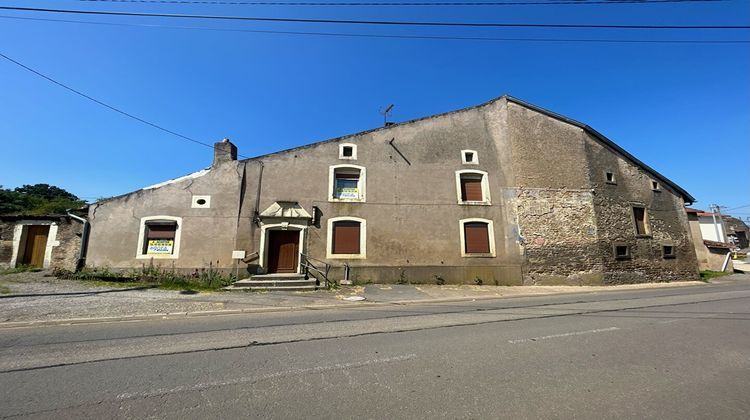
pixel 288 282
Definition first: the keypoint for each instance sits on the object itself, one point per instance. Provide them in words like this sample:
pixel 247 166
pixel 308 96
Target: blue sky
pixel 684 109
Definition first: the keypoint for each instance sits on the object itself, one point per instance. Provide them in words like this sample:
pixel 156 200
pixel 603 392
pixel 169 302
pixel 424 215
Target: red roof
pixel 714 244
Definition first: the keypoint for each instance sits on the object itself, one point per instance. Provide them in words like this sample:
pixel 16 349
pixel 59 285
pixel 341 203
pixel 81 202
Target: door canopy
pixel 285 210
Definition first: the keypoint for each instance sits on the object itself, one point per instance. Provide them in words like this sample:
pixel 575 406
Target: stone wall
pixel 66 243
pixel 559 236
pixel 666 220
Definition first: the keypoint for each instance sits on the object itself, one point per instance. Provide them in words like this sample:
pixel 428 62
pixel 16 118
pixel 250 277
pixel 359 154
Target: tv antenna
pixel 385 113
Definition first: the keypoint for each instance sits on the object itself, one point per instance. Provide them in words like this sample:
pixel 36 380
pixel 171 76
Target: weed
pixel 153 276
pixel 20 269
pixel 438 279
pixel 707 275
pixel 4 290
pixel 402 278
pixel 478 281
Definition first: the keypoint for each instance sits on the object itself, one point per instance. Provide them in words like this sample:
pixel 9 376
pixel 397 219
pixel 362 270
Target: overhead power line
pixel 373 22
pixel 399 4
pixel 387 36
pixel 106 105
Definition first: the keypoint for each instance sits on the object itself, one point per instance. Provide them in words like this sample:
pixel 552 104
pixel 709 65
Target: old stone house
pixel 501 193
pixel 41 241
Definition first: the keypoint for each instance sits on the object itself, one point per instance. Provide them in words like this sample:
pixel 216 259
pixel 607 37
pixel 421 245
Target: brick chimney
pixel 224 151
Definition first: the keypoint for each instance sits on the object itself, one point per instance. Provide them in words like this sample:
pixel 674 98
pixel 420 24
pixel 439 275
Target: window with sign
pixel 159 237
pixel 347 183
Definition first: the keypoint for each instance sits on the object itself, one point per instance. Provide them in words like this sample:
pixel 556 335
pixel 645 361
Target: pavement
pixel 37 298
pixel 661 353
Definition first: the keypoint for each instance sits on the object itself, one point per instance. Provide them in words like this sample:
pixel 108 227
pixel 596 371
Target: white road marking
pixel 247 379
pixel 526 340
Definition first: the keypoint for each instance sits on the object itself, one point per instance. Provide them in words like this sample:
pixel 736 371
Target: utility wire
pixel 386 36
pixel 373 22
pixel 399 4
pixel 735 208
pixel 119 111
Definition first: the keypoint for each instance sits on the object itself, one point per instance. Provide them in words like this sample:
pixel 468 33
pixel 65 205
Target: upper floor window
pixel 609 178
pixel 472 187
pixel 641 221
pixel 346 183
pixel 348 151
pixel 159 237
pixel 469 157
pixel 655 185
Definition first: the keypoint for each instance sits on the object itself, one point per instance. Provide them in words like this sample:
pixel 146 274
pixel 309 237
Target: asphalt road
pixel 677 353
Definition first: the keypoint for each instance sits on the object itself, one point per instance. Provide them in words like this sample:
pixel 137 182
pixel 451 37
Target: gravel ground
pixel 31 297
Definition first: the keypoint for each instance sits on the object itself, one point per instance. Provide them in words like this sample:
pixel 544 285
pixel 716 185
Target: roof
pixel 599 136
pixel 714 244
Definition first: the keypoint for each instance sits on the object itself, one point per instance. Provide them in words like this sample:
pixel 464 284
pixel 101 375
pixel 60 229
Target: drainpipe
pixel 84 239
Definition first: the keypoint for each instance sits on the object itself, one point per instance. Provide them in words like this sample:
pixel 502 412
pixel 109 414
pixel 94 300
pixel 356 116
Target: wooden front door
pixel 283 251
pixel 36 245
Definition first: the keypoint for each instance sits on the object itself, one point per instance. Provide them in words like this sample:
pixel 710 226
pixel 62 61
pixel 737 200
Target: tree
pixel 37 199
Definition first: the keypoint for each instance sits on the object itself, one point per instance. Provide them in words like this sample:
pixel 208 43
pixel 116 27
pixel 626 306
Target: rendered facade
pixel 502 193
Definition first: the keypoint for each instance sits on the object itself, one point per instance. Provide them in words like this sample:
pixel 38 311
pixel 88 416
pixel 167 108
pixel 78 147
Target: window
pixel 159 237
pixel 610 178
pixel 469 157
pixel 655 185
pixel 621 251
pixel 347 183
pixel 201 202
pixel 667 252
pixel 348 151
pixel 641 221
pixel 477 238
pixel 472 187
pixel 346 237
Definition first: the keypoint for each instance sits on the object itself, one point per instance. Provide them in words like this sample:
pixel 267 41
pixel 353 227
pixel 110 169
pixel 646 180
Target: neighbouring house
pixel 501 193
pixel 705 227
pixel 737 231
pixel 42 241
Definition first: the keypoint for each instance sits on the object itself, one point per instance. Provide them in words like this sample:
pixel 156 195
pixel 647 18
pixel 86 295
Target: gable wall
pixel 667 221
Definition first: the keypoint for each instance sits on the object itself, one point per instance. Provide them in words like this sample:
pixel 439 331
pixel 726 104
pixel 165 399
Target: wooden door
pixel 283 251
pixel 36 245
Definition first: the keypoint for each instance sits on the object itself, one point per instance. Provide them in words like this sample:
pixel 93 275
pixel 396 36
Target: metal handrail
pixel 308 265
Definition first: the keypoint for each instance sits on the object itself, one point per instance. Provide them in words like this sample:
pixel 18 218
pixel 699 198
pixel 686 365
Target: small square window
pixel 610 178
pixel 469 157
pixel 655 186
pixel 667 251
pixel 348 151
pixel 622 252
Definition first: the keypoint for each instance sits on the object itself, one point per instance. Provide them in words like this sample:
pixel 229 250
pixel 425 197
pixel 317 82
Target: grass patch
pixel 151 276
pixel 708 275
pixel 4 290
pixel 20 269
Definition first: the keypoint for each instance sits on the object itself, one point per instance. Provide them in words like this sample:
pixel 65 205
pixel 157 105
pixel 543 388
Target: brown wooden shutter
pixel 477 238
pixel 346 237
pixel 161 231
pixel 471 188
pixel 640 220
